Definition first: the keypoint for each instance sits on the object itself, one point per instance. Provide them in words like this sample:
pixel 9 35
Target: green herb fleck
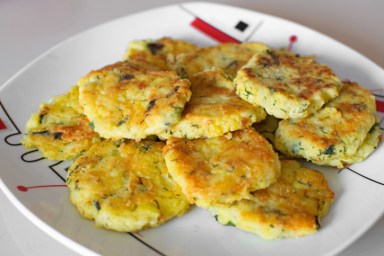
pixel 46 133
pixel 57 135
pixel 157 204
pixel 122 121
pixel 231 224
pixel 41 117
pixel 144 148
pixel 329 150
pixel 247 93
pixel 150 105
pixel 154 48
pixel 126 77
pixel 373 128
pixel 172 92
pixel 97 205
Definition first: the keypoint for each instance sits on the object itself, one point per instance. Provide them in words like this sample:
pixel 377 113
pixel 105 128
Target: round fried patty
pixel 291 207
pixel 214 109
pixel 60 130
pixel 285 84
pixel 125 186
pixel 123 102
pixel 332 135
pixel 222 169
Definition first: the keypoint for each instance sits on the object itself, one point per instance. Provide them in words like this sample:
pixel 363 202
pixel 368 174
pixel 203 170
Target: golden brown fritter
pixel 222 169
pixel 214 109
pixel 291 207
pixel 125 186
pixel 60 130
pixel 332 135
pixel 123 102
pixel 285 84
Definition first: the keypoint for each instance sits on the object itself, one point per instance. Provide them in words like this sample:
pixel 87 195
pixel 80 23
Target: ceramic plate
pixel 37 186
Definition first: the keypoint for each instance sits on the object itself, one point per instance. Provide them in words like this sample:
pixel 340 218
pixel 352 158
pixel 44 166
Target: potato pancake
pixel 229 57
pixel 214 109
pixel 291 207
pixel 285 84
pixel 222 169
pixel 125 186
pixel 60 130
pixel 123 102
pixel 162 52
pixel 332 135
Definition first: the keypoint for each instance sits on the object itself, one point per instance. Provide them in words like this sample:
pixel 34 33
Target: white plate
pixel 36 186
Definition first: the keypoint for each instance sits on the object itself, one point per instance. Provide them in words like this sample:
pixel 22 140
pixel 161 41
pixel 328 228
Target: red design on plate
pixel 380 106
pixel 213 32
pixel 2 125
pixel 25 189
pixel 292 40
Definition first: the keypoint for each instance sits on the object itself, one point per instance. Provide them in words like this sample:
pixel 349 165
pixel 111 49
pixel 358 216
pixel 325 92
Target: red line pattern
pixel 292 40
pixel 25 189
pixel 2 125
pixel 213 32
pixel 380 106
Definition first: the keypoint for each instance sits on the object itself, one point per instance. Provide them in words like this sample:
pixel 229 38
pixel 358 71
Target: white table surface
pixel 28 28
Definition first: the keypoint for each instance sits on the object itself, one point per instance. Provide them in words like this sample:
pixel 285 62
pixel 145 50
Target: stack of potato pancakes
pixel 174 125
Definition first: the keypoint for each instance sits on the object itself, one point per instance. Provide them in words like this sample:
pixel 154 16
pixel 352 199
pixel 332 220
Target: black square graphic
pixel 241 26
